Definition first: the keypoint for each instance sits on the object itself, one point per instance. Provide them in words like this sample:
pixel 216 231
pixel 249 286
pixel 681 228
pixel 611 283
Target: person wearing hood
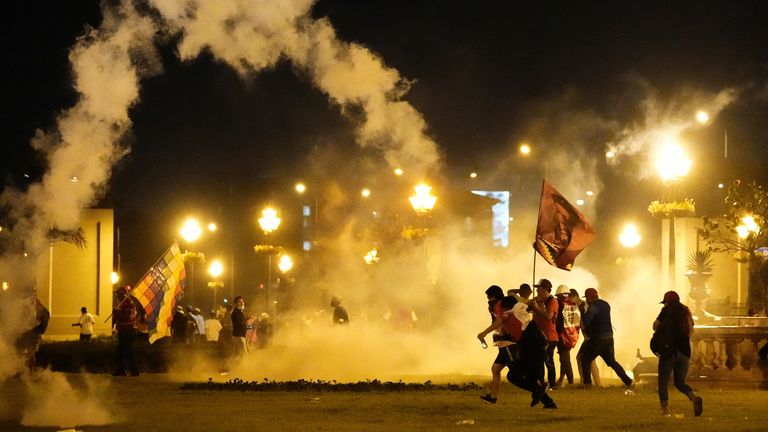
pixel 672 333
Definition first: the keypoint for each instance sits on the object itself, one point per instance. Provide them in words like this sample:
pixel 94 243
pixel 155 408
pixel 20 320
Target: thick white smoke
pixel 663 123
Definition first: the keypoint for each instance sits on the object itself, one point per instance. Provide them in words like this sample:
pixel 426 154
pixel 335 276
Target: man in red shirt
pixel 544 308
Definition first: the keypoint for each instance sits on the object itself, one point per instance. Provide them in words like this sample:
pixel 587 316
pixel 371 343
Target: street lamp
pixel 191 231
pixel 285 263
pixel 215 270
pixel 747 227
pixel 671 165
pixel 629 236
pixel 269 221
pixel 423 202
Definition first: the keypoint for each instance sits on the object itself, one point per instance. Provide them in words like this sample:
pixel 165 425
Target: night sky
pixel 485 75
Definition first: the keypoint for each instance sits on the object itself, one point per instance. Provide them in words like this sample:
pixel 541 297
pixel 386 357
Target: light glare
pixel 191 230
pixel 216 269
pixel 630 237
pixel 269 221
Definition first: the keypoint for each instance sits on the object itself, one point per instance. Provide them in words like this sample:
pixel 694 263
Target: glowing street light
pixel 524 149
pixel 285 264
pixel 473 175
pixel 702 117
pixel 212 227
pixel 365 193
pixel 629 236
pixel 216 269
pixel 269 221
pixel 748 226
pixel 300 188
pixel 423 201
pixel 672 163
pixel 190 231
pixel 114 278
pixel 398 172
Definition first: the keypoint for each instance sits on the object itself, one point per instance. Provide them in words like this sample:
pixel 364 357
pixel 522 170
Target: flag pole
pixel 538 218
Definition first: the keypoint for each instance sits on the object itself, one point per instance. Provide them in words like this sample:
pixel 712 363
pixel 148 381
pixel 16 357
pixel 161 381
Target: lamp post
pixel 269 222
pixel 422 203
pixel 671 165
pixel 747 227
pixel 191 231
pixel 215 270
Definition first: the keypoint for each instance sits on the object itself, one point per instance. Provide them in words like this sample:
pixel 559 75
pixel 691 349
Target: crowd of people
pixel 527 331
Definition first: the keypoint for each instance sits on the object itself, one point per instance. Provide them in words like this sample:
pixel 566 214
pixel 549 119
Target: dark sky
pixel 203 137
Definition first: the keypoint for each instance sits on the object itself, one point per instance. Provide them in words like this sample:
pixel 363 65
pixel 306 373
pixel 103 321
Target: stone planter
pixel 699 292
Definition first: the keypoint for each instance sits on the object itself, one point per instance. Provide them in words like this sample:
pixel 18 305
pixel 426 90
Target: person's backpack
pixel 663 340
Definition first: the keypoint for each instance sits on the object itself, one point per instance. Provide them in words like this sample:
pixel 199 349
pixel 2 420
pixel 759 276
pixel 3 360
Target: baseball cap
pixel 670 296
pixel 590 292
pixel 544 283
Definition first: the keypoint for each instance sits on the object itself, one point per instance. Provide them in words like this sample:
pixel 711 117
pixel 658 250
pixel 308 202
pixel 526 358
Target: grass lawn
pixel 155 402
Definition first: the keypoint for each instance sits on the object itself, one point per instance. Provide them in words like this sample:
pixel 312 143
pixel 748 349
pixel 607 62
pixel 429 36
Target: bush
pixel 98 355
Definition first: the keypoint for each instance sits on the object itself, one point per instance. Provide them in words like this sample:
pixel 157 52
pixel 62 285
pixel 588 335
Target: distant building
pixel 69 278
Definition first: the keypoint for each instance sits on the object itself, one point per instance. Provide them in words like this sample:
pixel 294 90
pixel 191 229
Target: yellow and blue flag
pixel 159 291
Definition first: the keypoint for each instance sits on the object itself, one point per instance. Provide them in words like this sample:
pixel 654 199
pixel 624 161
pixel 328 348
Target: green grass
pixel 129 400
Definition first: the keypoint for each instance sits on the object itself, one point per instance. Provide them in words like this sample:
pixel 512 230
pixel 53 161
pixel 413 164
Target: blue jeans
pixel 676 363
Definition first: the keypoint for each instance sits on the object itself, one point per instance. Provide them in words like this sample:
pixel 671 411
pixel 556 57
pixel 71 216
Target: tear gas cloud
pixel 54 401
pixel 664 122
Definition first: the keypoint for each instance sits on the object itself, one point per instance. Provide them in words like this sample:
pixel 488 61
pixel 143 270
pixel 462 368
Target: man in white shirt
pixel 212 328
pixel 85 322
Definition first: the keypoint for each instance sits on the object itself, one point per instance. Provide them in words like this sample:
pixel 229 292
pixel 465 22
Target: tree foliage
pixel 743 200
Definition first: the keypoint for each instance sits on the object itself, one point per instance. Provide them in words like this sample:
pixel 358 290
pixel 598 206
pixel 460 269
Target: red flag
pixel 562 231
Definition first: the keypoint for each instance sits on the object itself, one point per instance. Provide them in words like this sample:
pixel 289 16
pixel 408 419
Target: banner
pixel 159 291
pixel 562 231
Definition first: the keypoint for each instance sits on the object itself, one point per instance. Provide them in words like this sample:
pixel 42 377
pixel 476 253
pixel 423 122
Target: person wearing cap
pixel 568 322
pixel 124 315
pixel 179 326
pixel 545 309
pixel 676 321
pixel 596 325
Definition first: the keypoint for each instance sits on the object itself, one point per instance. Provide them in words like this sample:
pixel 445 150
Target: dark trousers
pixel 526 371
pixel 603 347
pixel 550 363
pixel 676 363
pixel 565 361
pixel 85 337
pixel 126 358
